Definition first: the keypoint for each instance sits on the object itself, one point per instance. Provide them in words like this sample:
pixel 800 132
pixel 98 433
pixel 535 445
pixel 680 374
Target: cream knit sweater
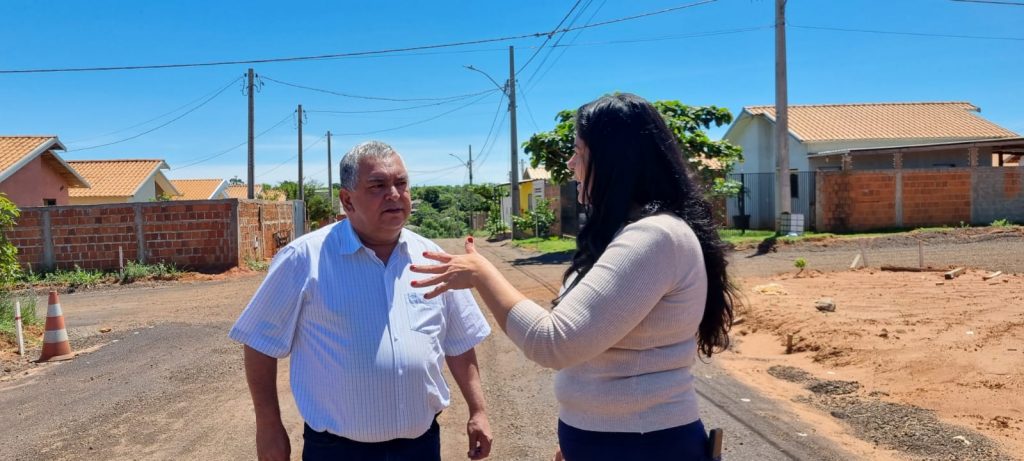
pixel 624 339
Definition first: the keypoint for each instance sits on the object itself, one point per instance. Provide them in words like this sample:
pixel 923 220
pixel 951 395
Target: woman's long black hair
pixel 636 164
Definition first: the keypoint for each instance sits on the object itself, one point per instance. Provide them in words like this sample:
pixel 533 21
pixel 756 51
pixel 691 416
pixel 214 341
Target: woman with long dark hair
pixel 646 292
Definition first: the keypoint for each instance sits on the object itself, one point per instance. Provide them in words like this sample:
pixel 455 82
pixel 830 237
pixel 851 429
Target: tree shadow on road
pixel 561 257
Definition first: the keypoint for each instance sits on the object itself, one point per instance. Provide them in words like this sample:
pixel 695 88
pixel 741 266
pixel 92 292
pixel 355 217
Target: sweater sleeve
pixel 637 269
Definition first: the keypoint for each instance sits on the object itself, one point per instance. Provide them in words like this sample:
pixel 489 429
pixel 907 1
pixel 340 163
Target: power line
pixel 537 75
pixel 279 165
pixel 214 156
pixel 912 34
pixel 377 98
pixel 418 122
pixel 669 37
pixel 175 119
pixel 528 110
pixel 374 111
pixel 483 158
pixel 354 53
pixel 548 38
pixel 147 121
pixel 436 171
pixel 994 2
pixel 490 130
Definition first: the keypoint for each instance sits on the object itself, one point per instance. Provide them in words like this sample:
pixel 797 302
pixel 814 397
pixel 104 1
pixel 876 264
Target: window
pixel 794 185
pixel 49 202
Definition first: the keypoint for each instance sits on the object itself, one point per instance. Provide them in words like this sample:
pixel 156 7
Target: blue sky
pixel 714 54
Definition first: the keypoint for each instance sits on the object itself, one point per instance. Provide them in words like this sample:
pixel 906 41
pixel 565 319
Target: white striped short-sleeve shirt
pixel 366 348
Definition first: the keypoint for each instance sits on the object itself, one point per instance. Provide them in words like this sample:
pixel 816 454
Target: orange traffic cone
pixel 55 340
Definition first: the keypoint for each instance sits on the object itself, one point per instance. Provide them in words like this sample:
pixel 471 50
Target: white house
pixel 818 128
pixel 822 136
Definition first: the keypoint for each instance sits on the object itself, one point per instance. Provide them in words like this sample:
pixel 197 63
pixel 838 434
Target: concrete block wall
pixel 881 199
pixel 998 195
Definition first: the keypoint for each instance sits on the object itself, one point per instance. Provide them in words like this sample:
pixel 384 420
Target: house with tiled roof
pixel 122 181
pixel 242 191
pixel 859 137
pixel 33 174
pixel 829 128
pixel 200 189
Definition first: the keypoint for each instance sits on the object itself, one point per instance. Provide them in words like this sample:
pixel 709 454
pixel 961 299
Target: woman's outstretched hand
pixel 454 272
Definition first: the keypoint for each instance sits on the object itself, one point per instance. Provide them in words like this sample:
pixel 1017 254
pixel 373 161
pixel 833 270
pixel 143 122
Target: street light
pixel 509 89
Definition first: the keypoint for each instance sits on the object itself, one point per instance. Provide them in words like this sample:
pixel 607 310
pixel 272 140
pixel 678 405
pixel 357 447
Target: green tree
pixel 10 270
pixel 711 160
pixel 537 221
pixel 236 181
pixel 318 206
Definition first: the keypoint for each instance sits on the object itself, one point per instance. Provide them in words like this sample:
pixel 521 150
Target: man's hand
pixel 479 431
pixel 272 442
pixel 558 455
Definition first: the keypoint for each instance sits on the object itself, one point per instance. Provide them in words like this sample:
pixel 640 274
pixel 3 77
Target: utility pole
pixel 300 193
pixel 330 184
pixel 471 164
pixel 252 157
pixel 783 203
pixel 514 174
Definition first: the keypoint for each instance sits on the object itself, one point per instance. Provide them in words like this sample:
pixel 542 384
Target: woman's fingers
pixel 429 268
pixel 470 246
pixel 436 256
pixel 430 281
pixel 437 291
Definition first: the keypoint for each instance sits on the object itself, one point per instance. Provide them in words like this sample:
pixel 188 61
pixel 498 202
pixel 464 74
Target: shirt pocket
pixel 425 315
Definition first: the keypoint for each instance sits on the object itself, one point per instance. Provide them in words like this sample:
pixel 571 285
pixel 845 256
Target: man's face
pixel 380 204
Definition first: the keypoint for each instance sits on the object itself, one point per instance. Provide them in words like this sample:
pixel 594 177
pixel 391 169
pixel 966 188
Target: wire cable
pixel 419 122
pixel 158 117
pixel 548 38
pixel 377 98
pixel 912 34
pixel 214 156
pixel 353 53
pixel 175 119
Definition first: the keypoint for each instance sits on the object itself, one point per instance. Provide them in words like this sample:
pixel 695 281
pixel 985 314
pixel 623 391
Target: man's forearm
pixel 466 372
pixel 261 374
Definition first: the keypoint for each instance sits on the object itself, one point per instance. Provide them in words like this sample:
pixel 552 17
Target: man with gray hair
pixel 366 348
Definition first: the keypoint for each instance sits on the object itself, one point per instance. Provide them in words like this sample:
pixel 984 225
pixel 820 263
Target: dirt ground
pixel 896 342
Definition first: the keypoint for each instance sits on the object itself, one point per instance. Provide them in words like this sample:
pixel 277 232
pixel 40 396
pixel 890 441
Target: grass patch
pixel 29 318
pixel 84 278
pixel 134 271
pixel 256 264
pixel 547 245
pixel 735 237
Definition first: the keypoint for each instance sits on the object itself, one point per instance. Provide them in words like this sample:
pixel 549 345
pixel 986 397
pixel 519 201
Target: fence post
pixel 49 258
pixel 17 322
pixel 140 236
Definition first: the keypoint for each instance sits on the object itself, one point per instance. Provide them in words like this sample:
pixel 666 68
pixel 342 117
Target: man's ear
pixel 346 200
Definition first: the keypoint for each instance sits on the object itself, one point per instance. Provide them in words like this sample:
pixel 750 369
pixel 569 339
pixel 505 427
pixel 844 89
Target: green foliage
pixel 28 314
pixel 538 221
pixel 548 244
pixel 236 181
pixel 444 211
pixel 163 197
pixel 256 264
pixel 9 268
pixel 76 278
pixel 134 271
pixel 1001 223
pixel 318 203
pixel 800 263
pixel 711 160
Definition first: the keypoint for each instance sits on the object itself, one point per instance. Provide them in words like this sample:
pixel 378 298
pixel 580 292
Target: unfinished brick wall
pixel 855 200
pixel 867 200
pixel 936 197
pixel 191 234
pixel 264 227
pixel 198 235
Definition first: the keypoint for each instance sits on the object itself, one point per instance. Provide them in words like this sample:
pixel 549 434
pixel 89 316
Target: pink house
pixel 32 174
